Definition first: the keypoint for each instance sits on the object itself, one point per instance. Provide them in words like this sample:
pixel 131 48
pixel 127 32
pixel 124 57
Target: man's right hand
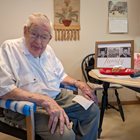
pixel 57 115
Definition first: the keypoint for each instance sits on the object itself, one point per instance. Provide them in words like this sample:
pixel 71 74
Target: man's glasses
pixel 44 37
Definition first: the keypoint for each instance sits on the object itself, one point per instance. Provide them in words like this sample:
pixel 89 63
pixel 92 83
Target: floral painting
pixel 67 19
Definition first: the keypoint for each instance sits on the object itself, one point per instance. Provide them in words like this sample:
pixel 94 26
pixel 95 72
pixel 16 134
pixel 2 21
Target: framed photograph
pixel 113 53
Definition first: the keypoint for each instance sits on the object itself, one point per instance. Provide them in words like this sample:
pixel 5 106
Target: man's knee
pixel 68 135
pixel 94 110
pixel 97 111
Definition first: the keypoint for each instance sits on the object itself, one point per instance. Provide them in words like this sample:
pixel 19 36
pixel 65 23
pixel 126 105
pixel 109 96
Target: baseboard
pixel 125 102
pixel 130 102
pixel 138 98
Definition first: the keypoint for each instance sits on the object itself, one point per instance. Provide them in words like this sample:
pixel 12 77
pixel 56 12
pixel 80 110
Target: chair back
pixel 87 65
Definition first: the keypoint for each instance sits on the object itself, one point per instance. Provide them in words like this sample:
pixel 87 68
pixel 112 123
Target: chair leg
pixel 13 131
pixel 30 128
pixel 95 92
pixel 107 104
pixel 119 105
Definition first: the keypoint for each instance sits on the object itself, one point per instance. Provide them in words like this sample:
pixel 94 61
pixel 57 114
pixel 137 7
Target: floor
pixel 113 127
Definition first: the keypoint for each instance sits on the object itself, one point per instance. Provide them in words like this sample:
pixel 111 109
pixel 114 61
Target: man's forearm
pixel 19 94
pixel 79 84
pixel 71 81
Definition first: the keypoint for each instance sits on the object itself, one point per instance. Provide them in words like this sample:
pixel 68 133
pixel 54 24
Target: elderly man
pixel 30 71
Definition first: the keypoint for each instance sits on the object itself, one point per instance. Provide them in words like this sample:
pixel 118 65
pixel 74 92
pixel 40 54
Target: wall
pixel 94 27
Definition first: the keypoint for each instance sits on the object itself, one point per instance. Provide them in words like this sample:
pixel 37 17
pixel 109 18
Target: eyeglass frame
pixel 43 38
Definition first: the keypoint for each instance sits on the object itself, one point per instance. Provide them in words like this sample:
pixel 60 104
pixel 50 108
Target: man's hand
pixel 57 116
pixel 86 90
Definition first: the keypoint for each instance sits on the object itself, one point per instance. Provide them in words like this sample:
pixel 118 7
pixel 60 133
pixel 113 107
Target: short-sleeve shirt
pixel 20 69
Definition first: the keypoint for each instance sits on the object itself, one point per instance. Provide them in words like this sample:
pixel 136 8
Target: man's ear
pixel 50 37
pixel 25 30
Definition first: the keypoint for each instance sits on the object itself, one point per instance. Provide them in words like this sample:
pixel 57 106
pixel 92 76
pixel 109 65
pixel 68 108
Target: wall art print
pixel 67 20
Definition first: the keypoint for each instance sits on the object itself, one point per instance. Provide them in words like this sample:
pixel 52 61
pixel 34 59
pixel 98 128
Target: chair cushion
pixel 100 87
pixel 95 86
pixel 116 86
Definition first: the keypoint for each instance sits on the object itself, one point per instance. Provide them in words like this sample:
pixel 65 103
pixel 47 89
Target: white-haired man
pixel 30 71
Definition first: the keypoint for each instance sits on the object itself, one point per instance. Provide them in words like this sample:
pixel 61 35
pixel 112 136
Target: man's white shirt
pixel 18 68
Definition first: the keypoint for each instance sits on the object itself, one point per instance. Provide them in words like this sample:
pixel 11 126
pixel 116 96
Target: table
pixel 132 83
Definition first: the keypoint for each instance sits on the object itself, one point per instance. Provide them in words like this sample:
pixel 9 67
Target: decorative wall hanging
pixel 118 12
pixel 66 19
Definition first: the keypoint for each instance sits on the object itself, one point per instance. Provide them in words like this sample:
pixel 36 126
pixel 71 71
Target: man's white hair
pixel 41 18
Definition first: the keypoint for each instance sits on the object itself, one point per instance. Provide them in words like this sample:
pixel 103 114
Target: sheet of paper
pixel 96 71
pixel 85 103
pixel 118 25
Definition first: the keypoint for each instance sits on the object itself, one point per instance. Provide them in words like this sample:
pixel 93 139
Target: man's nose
pixel 38 39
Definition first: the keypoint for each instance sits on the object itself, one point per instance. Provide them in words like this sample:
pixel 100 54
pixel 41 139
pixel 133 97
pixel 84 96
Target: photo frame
pixel 114 53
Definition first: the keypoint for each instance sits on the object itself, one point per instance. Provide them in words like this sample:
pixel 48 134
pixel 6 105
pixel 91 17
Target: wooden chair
pixel 23 107
pixel 88 64
pixel 27 109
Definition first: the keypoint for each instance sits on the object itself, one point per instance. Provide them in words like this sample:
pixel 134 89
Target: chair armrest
pixel 70 87
pixel 22 107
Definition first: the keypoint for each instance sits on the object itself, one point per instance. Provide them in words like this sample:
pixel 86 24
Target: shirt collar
pixel 26 51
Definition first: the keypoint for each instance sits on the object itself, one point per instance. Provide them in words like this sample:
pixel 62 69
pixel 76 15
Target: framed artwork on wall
pixel 113 53
pixel 118 16
pixel 67 20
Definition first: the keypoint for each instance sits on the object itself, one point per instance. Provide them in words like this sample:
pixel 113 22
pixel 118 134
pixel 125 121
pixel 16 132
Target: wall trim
pixel 125 102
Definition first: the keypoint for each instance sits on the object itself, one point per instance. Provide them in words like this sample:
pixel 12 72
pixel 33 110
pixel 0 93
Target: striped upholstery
pixel 23 107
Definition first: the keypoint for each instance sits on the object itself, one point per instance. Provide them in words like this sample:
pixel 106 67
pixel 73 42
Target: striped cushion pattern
pixel 23 107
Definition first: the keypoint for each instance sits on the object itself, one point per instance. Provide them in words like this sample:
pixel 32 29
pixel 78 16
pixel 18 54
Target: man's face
pixel 102 53
pixel 37 37
pixel 125 51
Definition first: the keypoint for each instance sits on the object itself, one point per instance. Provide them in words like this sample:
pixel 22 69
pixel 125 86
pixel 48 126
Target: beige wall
pixel 94 26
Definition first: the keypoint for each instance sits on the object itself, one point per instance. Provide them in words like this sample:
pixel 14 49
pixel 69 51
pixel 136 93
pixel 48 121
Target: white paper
pixel 85 103
pixel 118 26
